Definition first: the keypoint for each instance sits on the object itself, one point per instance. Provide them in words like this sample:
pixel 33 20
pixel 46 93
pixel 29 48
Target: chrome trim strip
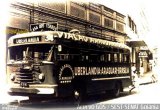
pixel 123 77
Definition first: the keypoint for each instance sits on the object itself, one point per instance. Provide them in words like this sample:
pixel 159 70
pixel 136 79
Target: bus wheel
pixel 78 96
pixel 34 99
pixel 116 90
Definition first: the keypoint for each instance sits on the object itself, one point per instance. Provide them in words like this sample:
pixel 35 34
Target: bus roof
pixel 49 36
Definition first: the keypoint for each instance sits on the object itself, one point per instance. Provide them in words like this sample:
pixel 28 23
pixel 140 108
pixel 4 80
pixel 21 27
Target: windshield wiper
pixel 26 53
pixel 27 56
pixel 50 54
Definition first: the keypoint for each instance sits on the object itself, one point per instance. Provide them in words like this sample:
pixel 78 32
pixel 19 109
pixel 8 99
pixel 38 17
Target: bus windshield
pixel 33 52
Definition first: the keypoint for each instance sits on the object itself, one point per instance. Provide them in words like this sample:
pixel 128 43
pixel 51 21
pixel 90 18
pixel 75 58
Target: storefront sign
pixel 44 27
pixel 143 54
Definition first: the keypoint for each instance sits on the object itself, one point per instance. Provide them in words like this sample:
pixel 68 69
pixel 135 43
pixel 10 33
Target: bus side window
pixel 125 58
pixel 74 57
pixel 102 57
pixel 115 57
pixel 87 57
pixel 120 57
pixel 64 57
pixel 84 58
pixel 93 58
pixel 107 57
pixel 112 57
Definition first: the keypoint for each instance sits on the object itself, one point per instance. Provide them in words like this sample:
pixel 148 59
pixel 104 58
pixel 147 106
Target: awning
pixel 136 43
pixel 145 51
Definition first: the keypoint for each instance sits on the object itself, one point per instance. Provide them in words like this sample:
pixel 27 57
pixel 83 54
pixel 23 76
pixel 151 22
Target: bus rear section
pixel 62 64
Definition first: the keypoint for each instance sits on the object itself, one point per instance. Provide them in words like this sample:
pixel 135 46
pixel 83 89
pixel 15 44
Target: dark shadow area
pixel 64 103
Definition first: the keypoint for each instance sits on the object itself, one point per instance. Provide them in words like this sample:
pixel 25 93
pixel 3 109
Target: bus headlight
pixel 41 77
pixel 12 77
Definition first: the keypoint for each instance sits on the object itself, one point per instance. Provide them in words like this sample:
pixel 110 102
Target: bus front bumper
pixel 33 89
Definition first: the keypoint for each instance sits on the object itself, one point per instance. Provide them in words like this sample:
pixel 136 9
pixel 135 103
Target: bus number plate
pixel 24 84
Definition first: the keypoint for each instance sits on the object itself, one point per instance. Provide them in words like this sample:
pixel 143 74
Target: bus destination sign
pixel 27 40
pixel 44 27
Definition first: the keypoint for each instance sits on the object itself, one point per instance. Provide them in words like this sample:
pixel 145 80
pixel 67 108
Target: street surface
pixel 146 94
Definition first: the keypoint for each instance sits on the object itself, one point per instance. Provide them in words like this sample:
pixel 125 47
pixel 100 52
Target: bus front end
pixel 30 67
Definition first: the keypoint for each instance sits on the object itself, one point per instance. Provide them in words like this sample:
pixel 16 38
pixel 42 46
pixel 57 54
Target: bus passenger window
pixel 120 57
pixel 74 57
pixel 63 57
pixel 87 57
pixel 115 57
pixel 102 58
pixel 109 57
pixel 84 58
pixel 125 58
pixel 93 58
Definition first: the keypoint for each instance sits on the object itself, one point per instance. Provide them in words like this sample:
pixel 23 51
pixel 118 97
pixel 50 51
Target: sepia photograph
pixel 80 55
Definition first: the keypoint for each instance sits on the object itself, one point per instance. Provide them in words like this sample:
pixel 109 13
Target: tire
pixel 116 90
pixel 78 96
pixel 34 99
pixel 39 98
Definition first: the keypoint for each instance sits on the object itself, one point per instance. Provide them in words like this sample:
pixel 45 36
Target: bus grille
pixel 26 77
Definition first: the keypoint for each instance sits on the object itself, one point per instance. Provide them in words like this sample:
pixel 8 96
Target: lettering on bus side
pixel 79 71
pixel 100 70
pixel 76 37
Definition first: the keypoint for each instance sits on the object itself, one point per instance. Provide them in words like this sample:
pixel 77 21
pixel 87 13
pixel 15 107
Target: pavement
pixel 148 78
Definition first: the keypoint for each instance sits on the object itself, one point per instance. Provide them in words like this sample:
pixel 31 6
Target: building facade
pixel 90 19
pixel 137 29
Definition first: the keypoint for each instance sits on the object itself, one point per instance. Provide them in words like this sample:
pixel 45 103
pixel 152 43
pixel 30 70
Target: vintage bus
pixel 61 64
